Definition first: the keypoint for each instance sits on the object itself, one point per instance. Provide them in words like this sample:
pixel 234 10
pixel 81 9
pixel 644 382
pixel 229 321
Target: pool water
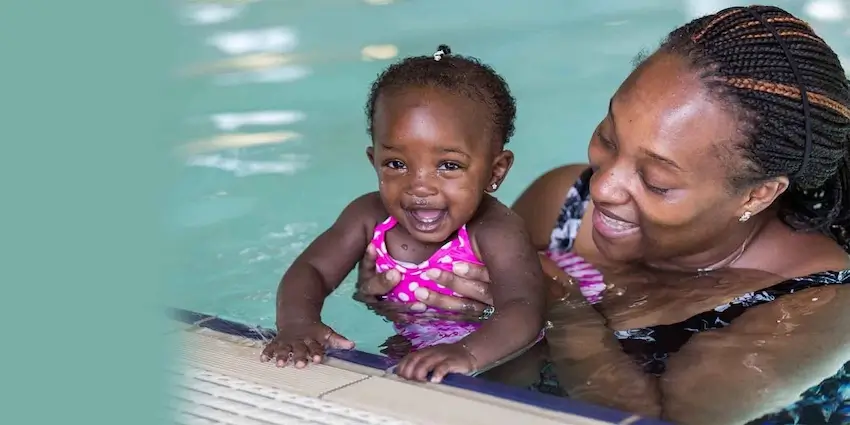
pixel 275 132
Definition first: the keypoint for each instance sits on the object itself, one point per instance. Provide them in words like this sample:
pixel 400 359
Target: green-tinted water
pixel 286 81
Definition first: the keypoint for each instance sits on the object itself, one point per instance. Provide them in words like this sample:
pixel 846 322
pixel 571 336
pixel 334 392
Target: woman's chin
pixel 619 250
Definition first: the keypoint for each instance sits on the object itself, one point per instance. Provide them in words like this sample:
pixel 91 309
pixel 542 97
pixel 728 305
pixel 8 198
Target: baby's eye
pixel 449 166
pixel 395 164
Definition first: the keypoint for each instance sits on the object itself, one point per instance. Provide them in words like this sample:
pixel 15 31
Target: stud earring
pixel 745 216
pixel 494 186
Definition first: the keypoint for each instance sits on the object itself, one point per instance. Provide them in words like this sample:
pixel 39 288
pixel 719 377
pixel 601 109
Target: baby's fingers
pixel 298 356
pixel 446 367
pixel 273 350
pixel 419 371
pixel 268 351
pixel 409 365
pixel 281 352
pixel 315 351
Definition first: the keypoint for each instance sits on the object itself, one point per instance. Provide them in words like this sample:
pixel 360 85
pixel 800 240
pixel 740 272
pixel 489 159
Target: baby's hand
pixel 439 359
pixel 301 343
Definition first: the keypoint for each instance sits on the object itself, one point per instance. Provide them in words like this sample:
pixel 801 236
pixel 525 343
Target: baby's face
pixel 433 154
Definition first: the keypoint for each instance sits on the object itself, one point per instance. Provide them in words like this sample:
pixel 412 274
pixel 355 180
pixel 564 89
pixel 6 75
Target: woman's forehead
pixel 665 108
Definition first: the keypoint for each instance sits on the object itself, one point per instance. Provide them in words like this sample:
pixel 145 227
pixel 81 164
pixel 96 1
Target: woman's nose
pixel 609 185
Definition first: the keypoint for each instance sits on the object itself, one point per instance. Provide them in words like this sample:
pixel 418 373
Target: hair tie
pixel 799 77
pixel 442 50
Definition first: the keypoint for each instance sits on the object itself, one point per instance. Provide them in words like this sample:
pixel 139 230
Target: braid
pixel 743 63
pixel 458 74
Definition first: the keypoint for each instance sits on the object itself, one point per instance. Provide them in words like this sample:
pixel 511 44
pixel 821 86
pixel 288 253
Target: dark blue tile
pixel 186 316
pixel 262 334
pixel 363 358
pixel 533 398
pixel 645 421
pixel 230 328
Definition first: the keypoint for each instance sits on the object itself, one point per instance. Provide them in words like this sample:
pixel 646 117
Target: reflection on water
pixel 208 14
pixel 826 10
pixel 654 340
pixel 238 140
pixel 234 121
pixel 667 349
pixel 274 39
pixel 290 164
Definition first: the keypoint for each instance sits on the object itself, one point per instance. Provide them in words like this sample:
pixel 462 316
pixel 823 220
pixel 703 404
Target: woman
pixel 716 205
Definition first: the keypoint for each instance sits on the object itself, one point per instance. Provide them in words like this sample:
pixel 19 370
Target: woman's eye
pixel 607 143
pixel 449 166
pixel 395 164
pixel 655 189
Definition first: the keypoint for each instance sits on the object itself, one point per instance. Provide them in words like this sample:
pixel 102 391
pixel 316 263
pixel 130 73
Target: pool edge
pixel 381 364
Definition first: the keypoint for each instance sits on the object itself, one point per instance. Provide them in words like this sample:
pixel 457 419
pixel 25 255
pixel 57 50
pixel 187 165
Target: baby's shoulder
pixel 497 232
pixel 366 210
pixel 370 203
pixel 494 216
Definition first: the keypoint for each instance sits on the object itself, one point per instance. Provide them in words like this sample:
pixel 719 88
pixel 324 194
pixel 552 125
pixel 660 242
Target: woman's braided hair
pixel 745 59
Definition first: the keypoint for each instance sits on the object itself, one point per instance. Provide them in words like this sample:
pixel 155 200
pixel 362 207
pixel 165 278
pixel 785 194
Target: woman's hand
pixel 469 280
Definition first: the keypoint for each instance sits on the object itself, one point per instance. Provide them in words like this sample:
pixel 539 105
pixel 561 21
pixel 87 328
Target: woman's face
pixel 662 156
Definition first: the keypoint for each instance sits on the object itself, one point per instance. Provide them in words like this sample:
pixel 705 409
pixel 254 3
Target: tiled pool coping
pixel 477 385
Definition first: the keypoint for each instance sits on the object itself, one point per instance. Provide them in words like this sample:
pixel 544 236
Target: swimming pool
pixel 275 129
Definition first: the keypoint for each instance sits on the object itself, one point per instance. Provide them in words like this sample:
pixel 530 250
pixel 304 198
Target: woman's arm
pixel 762 362
pixel 589 361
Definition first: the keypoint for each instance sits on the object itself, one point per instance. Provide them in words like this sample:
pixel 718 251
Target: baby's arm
pixel 518 286
pixel 320 269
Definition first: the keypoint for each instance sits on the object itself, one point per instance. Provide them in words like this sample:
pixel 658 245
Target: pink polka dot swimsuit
pixel 425 333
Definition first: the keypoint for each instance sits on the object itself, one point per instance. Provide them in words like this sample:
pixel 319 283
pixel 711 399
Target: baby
pixel 439 125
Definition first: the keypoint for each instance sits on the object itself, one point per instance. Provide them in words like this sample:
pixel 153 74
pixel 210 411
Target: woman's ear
pixel 763 195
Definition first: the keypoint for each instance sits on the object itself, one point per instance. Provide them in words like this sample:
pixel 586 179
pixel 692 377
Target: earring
pixel 494 186
pixel 745 216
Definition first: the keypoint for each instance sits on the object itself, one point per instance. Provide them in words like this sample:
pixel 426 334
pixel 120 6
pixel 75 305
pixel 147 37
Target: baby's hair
pixel 793 98
pixel 454 73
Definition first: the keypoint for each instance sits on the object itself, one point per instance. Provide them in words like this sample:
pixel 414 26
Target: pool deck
pixel 218 379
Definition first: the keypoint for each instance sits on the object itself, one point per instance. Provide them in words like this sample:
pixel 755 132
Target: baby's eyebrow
pixel 454 150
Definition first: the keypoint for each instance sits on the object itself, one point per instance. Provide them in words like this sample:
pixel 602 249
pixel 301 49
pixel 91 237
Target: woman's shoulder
pixel 556 181
pixel 541 202
pixel 789 253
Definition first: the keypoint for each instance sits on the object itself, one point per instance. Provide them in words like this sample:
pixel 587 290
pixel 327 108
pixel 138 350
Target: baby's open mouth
pixel 426 220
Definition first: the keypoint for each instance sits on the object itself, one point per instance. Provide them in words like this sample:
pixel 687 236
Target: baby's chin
pixel 434 237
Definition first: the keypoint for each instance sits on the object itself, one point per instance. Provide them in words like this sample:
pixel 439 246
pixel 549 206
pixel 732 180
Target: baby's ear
pixel 501 165
pixel 370 153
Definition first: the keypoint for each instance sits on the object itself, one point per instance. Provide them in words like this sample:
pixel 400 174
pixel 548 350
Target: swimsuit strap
pixel 387 224
pixel 463 237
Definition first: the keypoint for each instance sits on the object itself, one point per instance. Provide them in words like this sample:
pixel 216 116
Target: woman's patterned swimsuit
pixel 826 403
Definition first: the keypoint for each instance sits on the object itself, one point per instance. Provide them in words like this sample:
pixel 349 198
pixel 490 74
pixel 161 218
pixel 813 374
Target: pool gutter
pixel 214 349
